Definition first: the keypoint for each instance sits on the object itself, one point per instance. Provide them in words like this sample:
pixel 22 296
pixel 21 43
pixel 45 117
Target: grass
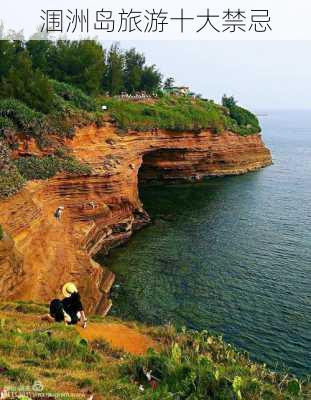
pixel 191 365
pixel 196 365
pixel 56 356
pixel 180 114
pixel 23 307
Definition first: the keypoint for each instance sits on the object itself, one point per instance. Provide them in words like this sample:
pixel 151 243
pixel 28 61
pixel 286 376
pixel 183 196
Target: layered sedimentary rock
pixel 11 263
pixel 103 209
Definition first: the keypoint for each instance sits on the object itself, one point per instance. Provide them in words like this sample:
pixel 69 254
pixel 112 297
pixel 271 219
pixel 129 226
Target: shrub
pixel 74 96
pixel 21 117
pixel 11 180
pixel 6 124
pixel 48 166
pixel 241 120
pixel 37 168
pixel 10 183
pixel 63 122
pixel 1 232
pixel 74 167
pixel 16 116
pixel 200 366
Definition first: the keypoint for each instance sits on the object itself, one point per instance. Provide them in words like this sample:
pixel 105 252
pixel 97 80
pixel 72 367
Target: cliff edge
pixel 102 209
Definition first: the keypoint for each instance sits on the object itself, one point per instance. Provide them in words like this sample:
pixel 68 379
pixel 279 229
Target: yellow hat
pixel 69 288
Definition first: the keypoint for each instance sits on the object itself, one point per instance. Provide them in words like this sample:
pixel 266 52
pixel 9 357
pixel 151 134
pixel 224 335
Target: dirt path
pixel 119 336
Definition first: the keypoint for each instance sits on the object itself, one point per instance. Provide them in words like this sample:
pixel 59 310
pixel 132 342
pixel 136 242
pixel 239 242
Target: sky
pixel 261 75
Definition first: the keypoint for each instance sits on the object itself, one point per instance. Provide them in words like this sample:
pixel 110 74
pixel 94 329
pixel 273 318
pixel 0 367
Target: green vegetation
pixel 23 307
pixel 56 356
pixel 191 365
pixel 196 365
pixel 83 64
pixel 68 94
pixel 175 114
pixel 45 86
pixel 11 180
pixel 48 166
pixel 246 121
pixel 179 114
pixel 1 232
pixel 17 117
pixel 20 80
pixel 49 89
pixel 14 174
pixel 55 79
pixel 58 348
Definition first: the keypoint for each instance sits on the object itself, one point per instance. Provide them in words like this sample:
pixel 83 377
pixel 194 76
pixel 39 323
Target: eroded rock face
pixel 102 210
pixel 11 266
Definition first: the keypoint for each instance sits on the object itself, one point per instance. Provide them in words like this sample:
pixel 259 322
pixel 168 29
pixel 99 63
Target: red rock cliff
pixel 103 209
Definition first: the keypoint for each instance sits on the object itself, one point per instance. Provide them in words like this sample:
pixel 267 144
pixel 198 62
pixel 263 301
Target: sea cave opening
pixel 162 165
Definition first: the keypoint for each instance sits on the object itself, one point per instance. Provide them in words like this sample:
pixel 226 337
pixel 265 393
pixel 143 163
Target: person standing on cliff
pixel 58 213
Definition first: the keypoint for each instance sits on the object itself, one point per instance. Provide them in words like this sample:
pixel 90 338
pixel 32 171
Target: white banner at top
pixel 157 19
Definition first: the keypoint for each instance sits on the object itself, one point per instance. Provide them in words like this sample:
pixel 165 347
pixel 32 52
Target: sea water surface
pixel 232 255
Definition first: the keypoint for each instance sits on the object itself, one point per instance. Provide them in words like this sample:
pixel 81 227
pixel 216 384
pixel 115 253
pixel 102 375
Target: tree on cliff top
pixel 151 79
pixel 26 67
pixel 169 83
pixel 127 71
pixel 228 101
pixel 134 63
pixel 113 81
pixel 80 63
pixel 26 84
pixel 244 118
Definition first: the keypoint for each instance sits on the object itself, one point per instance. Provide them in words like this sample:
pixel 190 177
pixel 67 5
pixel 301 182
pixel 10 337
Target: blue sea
pixel 231 255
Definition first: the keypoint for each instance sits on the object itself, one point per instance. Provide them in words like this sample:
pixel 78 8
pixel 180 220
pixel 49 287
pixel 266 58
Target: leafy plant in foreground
pixel 200 366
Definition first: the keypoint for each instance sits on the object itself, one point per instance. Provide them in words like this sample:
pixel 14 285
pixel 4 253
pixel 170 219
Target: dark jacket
pixel 57 310
pixel 72 305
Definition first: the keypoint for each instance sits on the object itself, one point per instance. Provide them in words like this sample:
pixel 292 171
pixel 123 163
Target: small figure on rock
pixel 58 213
pixel 92 204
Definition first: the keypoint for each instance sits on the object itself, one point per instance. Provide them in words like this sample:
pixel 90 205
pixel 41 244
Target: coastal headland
pixel 102 208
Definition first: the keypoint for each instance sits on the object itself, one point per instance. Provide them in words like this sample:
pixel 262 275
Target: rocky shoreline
pixel 103 209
